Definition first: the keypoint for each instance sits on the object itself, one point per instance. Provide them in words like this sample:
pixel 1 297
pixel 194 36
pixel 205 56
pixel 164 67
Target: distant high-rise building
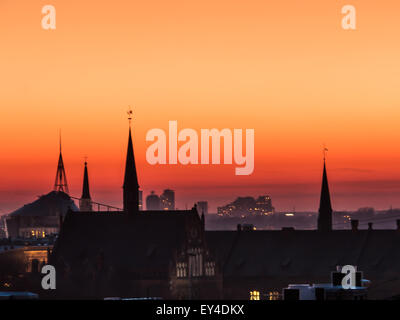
pixel 264 205
pixel 168 200
pixel 140 200
pixel 85 202
pixel 3 233
pixel 202 207
pixel 153 202
pixel 243 206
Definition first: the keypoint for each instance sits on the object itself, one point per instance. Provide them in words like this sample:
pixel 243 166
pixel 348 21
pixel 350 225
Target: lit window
pixel 273 295
pixel 254 295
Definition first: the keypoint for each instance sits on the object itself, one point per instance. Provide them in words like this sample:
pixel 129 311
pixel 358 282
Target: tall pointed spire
pixel 85 202
pixel 131 185
pixel 60 183
pixel 325 207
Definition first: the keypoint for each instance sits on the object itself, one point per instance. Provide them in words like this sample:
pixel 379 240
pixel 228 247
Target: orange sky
pixel 285 68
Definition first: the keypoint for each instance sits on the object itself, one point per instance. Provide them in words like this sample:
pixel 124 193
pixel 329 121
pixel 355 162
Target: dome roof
pixel 51 204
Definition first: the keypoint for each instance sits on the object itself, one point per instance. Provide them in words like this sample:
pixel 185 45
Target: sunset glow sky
pixel 283 68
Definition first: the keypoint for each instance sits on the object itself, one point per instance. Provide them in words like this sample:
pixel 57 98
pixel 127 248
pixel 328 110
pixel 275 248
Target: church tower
pixel 131 185
pixel 60 183
pixel 85 202
pixel 325 208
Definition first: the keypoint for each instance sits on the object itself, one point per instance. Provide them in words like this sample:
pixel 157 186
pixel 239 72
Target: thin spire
pixel 131 185
pixel 60 183
pixel 60 140
pixel 85 202
pixel 325 207
pixel 85 188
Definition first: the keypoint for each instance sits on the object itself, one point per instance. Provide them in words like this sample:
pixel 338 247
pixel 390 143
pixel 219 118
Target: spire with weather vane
pixel 131 185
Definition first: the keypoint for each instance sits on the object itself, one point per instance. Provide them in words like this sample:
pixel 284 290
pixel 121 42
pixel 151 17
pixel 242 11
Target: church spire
pixel 85 202
pixel 60 183
pixel 131 185
pixel 325 207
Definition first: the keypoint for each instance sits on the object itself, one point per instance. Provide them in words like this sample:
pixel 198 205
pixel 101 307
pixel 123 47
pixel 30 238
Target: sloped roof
pixel 142 243
pixel 306 253
pixel 52 204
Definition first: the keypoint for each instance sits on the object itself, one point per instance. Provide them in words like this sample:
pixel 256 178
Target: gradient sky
pixel 285 68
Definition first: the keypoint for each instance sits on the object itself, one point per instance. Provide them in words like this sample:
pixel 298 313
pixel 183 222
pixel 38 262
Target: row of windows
pixel 195 266
pixel 37 233
pixel 272 295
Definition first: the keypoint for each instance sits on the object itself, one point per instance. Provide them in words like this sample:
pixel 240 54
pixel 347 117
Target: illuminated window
pixel 273 295
pixel 254 295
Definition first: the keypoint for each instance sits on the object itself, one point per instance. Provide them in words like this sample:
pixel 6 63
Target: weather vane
pixel 324 150
pixel 130 115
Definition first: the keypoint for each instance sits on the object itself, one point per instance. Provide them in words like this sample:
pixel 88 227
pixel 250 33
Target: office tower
pixel 168 200
pixel 153 202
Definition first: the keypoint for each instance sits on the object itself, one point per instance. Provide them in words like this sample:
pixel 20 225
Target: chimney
pixel 369 225
pixel 239 227
pixel 354 225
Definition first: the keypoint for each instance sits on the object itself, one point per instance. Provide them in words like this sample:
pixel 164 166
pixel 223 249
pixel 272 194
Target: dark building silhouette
pixel 134 253
pixel 267 261
pixel 244 206
pixel 131 185
pixel 85 202
pixel 168 200
pixel 325 208
pixel 153 202
pixel 169 254
pixel 42 217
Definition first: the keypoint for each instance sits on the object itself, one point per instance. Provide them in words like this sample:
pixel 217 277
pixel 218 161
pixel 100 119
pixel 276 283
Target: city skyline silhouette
pixel 211 67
